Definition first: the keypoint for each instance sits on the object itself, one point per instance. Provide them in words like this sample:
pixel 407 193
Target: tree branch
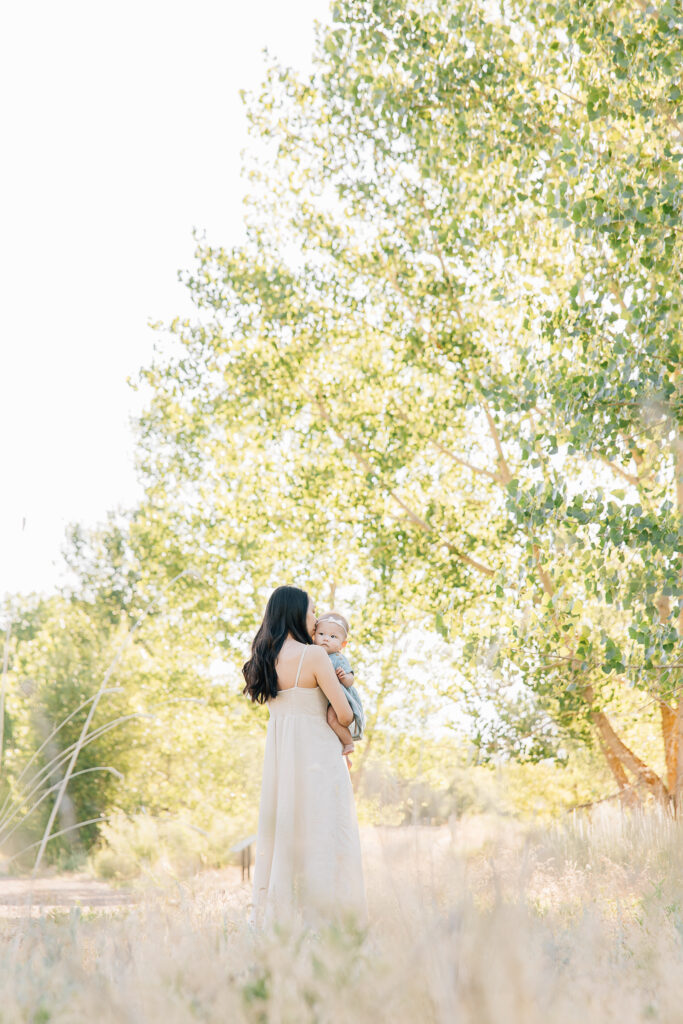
pixel 440 257
pixel 543 81
pixel 633 480
pixel 505 474
pixel 613 287
pixel 496 477
pixel 544 577
pixel 413 516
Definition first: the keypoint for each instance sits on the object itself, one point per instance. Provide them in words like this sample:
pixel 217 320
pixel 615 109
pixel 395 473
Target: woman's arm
pixel 330 685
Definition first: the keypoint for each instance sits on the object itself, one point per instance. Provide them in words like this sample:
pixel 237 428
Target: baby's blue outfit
pixel 358 724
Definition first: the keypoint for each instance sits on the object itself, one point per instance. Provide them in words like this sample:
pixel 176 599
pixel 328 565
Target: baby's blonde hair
pixel 335 617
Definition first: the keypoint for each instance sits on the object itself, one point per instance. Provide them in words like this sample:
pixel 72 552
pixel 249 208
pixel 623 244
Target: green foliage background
pixel 438 385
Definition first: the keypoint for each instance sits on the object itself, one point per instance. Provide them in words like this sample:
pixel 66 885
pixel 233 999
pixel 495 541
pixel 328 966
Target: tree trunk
pixel 645 777
pixel 670 737
pixel 627 794
pixel 677 788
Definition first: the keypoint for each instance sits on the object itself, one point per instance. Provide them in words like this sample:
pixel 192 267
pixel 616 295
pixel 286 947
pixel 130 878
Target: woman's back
pixel 294 668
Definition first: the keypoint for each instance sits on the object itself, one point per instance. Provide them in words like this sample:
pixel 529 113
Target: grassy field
pixel 486 922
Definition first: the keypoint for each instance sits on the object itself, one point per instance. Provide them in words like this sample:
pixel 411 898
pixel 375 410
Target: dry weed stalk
pixel 28 790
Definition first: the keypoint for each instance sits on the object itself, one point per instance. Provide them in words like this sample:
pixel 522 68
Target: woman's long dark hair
pixel 285 613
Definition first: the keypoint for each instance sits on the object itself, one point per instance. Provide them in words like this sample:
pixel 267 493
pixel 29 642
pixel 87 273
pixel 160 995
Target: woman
pixel 308 859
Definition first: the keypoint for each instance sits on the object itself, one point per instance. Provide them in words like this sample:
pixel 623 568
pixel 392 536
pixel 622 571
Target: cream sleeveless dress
pixel 308 858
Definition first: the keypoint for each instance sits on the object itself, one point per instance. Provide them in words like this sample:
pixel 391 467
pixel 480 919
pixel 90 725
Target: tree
pixel 168 737
pixel 445 367
pixel 193 748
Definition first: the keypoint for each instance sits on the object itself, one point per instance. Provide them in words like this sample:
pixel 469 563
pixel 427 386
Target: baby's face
pixel 329 635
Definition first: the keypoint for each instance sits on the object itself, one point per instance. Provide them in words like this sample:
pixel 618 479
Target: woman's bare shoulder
pixel 313 666
pixel 317 655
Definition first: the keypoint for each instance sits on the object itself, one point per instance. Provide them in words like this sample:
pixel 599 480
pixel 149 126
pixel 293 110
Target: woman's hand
pixel 345 678
pixel 332 687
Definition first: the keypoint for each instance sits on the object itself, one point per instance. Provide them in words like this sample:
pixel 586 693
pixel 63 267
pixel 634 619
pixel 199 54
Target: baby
pixel 331 631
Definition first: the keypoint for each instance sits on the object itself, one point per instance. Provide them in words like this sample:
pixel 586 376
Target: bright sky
pixel 121 130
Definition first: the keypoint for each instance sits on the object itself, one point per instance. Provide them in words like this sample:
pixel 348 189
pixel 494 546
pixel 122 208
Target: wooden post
pixel 244 850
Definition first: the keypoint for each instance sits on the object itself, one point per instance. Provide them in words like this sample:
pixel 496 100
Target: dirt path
pixel 21 896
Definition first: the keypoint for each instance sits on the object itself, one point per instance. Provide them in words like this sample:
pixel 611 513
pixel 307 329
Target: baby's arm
pixel 345 678
pixel 344 673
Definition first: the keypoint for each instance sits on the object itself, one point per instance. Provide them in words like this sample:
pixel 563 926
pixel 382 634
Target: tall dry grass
pixel 487 922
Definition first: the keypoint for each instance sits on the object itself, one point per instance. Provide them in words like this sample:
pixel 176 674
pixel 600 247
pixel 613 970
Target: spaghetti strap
pixel 298 671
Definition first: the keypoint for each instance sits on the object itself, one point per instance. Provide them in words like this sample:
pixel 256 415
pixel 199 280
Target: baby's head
pixel 331 631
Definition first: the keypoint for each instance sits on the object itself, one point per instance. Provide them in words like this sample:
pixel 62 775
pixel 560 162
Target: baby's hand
pixel 345 678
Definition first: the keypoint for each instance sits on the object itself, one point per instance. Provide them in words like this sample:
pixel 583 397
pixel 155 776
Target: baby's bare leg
pixel 341 730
